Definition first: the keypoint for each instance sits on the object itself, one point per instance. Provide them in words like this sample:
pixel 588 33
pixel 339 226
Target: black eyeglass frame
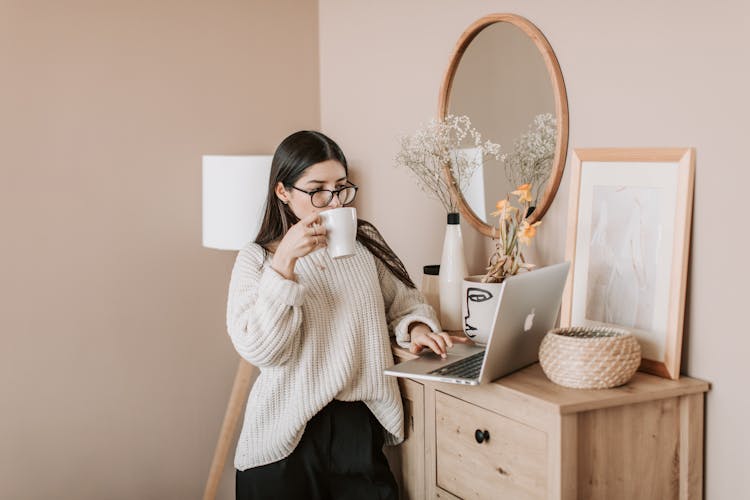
pixel 332 192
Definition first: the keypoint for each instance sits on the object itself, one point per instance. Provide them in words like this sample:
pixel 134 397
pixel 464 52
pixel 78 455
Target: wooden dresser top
pixel 531 385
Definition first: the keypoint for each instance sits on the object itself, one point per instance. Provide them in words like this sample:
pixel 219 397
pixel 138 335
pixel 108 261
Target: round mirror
pixel 505 77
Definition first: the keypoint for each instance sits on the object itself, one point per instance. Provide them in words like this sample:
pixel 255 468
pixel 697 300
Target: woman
pixel 321 408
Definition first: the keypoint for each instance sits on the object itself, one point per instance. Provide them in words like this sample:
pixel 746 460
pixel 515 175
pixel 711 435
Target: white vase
pixel 452 273
pixel 479 307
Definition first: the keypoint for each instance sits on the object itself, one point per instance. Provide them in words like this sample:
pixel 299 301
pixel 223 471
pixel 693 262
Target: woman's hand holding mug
pixel 304 237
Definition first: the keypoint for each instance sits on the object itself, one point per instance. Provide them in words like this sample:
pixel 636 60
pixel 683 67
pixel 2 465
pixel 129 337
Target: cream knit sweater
pixel 324 336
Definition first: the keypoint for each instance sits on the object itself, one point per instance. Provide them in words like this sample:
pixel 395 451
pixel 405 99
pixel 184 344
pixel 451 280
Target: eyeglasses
pixel 321 198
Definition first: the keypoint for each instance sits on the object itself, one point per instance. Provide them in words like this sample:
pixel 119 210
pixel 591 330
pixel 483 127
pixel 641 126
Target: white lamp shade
pixel 234 196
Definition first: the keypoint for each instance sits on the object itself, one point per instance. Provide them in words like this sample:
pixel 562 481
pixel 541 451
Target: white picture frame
pixel 628 243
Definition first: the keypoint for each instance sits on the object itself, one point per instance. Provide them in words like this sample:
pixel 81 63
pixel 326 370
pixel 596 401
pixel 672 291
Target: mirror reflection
pixel 502 84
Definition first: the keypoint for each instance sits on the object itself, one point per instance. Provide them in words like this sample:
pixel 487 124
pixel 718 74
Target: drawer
pixel 512 463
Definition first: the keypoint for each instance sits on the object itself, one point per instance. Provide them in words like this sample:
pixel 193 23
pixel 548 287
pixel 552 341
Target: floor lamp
pixel 234 195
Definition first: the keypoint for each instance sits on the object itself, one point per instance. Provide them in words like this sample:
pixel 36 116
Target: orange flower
pixel 523 192
pixel 504 205
pixel 527 231
pixel 500 205
pixel 511 232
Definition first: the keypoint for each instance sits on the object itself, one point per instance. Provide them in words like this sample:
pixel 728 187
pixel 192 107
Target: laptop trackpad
pixel 462 350
pixel 428 360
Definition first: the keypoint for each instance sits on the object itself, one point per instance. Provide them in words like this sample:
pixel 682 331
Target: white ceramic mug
pixel 341 230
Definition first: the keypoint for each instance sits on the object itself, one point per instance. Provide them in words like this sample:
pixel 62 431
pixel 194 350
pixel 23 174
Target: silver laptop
pixel 527 310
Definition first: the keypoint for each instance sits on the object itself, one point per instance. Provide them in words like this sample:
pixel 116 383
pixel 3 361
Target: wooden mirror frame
pixel 561 111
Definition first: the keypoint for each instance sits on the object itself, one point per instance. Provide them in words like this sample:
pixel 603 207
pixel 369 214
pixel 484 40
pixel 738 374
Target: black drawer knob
pixel 481 436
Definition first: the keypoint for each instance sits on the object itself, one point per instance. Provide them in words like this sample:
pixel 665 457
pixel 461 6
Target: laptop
pixel 526 311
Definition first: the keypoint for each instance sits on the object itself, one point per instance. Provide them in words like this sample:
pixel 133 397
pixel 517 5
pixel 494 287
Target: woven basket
pixel 589 357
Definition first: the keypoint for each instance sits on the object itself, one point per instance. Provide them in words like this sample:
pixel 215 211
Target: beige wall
pixel 115 367
pixel 638 73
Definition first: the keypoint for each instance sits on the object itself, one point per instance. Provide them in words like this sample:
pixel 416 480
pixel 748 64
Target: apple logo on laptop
pixel 529 321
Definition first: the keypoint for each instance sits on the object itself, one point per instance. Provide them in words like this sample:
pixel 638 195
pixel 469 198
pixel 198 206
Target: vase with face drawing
pixel 479 307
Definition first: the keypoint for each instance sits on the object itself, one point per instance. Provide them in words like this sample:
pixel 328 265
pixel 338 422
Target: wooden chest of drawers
pixel 481 453
pixel 525 437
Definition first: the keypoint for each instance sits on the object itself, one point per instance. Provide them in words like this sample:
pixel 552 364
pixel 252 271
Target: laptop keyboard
pixel 463 368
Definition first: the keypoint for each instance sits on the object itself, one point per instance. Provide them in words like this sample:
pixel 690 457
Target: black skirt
pixel 340 456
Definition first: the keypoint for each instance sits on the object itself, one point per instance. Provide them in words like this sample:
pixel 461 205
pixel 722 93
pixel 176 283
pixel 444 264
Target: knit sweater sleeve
pixel 264 310
pixel 403 305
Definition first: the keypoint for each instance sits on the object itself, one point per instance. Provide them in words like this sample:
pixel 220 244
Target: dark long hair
pixel 293 156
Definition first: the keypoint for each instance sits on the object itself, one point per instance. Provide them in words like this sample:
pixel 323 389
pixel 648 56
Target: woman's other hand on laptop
pixel 439 342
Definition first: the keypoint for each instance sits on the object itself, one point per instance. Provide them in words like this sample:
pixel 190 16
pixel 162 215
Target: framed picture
pixel 628 239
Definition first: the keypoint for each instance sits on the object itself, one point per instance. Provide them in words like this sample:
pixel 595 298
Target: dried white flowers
pixel 533 152
pixel 439 144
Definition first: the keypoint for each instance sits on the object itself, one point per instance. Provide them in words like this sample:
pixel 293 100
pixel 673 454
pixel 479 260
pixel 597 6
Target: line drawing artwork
pixel 624 247
pixel 475 295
